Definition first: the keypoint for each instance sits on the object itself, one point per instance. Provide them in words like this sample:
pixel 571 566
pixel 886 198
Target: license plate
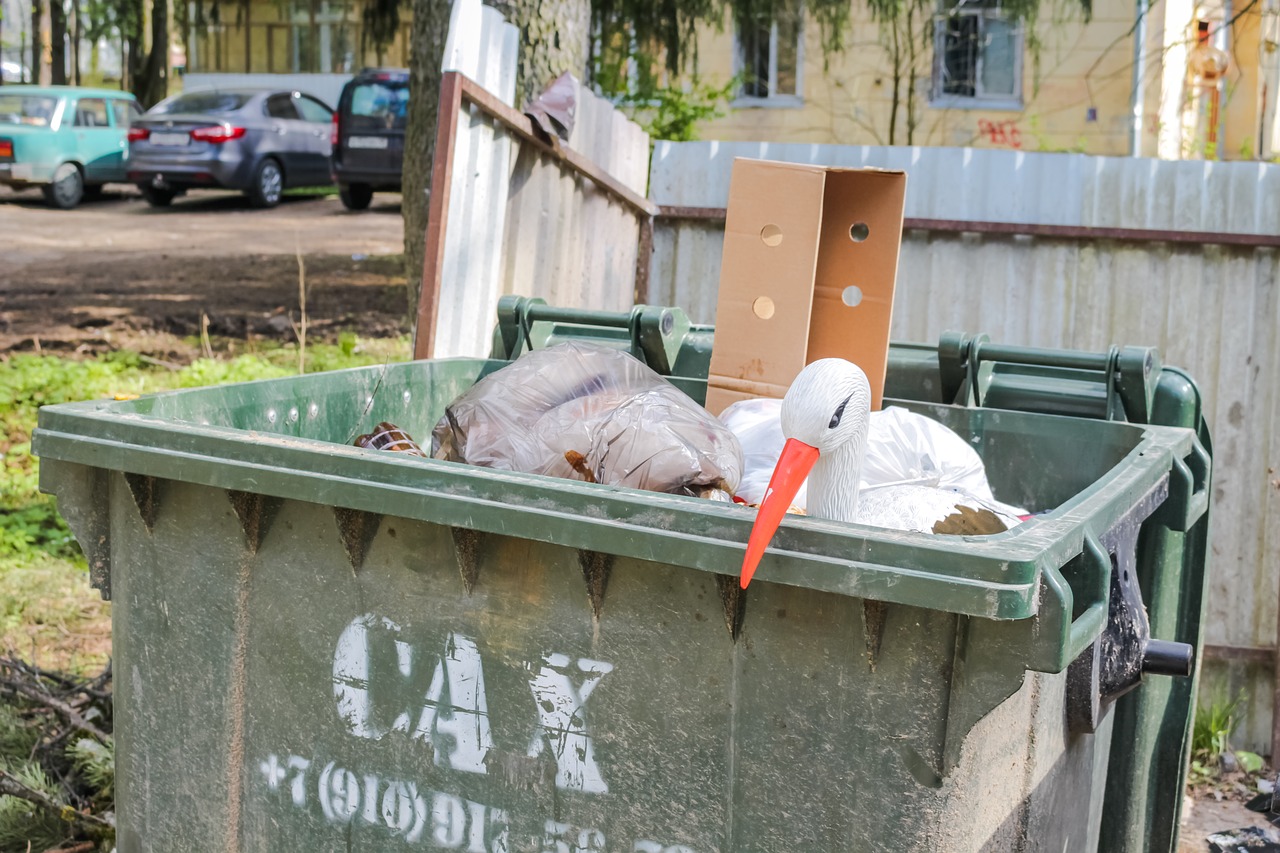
pixel 367 142
pixel 170 139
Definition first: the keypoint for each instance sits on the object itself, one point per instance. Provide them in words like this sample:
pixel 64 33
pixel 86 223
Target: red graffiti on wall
pixel 1003 133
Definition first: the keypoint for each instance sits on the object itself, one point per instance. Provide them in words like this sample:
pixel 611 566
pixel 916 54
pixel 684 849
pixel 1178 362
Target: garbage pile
pixel 584 412
pixel 587 412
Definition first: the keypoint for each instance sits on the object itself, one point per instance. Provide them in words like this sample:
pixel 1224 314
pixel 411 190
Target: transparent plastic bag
pixel 758 425
pixel 902 448
pixel 586 412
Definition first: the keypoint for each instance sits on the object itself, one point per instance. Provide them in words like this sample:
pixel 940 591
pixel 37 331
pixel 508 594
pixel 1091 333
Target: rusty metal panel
pixel 1210 309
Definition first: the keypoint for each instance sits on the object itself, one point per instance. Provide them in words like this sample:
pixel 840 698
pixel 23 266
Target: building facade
pixel 968 73
pixel 294 37
pixel 947 72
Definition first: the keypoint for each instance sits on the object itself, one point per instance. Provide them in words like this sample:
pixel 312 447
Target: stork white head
pixel 825 415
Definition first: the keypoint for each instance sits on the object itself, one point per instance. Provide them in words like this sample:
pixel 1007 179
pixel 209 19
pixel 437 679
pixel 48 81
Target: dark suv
pixel 368 135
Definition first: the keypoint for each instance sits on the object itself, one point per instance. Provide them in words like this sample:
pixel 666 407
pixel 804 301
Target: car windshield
pixel 202 102
pixel 27 109
pixel 379 106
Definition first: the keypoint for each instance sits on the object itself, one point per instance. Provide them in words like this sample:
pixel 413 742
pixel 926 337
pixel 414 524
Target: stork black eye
pixel 835 419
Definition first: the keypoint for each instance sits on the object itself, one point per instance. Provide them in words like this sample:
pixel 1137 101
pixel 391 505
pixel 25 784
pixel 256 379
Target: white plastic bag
pixel 904 447
pixel 758 425
pixel 587 412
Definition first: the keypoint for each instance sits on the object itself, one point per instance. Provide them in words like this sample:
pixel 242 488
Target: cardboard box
pixel 809 267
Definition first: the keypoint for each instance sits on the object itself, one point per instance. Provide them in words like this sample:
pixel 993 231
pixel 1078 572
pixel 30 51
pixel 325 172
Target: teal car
pixel 66 140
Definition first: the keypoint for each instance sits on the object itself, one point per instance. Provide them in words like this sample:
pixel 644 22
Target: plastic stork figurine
pixel 825 417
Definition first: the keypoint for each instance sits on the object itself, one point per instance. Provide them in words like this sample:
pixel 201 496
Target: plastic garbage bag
pixel 1248 839
pixel 586 412
pixel 903 448
pixel 758 425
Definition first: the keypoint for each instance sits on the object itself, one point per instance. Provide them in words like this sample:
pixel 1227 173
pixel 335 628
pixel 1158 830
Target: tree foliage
pixel 669 27
pixel 380 21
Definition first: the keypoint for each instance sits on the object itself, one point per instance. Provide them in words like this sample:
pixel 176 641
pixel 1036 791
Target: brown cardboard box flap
pixel 808 272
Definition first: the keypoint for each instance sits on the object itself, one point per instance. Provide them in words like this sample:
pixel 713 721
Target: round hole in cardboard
pixel 763 307
pixel 851 296
pixel 771 235
pixel 859 231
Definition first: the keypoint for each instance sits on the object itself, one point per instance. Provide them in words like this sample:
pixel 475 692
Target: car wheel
pixel 268 184
pixel 67 188
pixel 355 196
pixel 156 197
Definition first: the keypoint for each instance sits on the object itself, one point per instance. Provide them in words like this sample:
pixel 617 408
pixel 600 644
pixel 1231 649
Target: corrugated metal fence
pixel 1211 308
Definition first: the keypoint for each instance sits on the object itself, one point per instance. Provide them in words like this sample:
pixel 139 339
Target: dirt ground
pixel 1203 815
pixel 116 273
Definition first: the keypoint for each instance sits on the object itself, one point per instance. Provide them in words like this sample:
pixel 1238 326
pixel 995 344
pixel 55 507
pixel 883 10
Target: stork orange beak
pixel 793 466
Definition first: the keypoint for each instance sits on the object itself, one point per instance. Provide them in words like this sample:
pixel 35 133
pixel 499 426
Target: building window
pixel 977 56
pixel 769 57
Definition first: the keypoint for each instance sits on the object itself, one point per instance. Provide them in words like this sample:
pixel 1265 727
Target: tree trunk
pixel 134 52
pixel 912 59
pixel 57 42
pixel 37 43
pixel 555 36
pixel 154 84
pixel 430 29
pixel 895 52
pixel 76 40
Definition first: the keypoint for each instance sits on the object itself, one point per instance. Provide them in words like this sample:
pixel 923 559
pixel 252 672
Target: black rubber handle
pixel 1162 657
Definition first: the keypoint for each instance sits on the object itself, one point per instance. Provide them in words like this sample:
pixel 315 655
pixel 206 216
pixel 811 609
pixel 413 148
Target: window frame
pixel 126 106
pixel 280 98
pixel 376 122
pixel 304 98
pixel 979 100
pixel 773 99
pixel 92 99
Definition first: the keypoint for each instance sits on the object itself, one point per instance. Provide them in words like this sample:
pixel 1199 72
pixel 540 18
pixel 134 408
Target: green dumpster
pixel 322 647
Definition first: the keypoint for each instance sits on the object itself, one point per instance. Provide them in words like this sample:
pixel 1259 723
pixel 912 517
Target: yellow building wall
pixel 1076 88
pixel 259 37
pixel 1242 110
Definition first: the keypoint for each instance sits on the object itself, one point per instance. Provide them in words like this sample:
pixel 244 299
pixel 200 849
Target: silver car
pixel 259 141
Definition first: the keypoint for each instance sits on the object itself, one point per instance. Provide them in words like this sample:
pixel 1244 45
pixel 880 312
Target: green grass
pixel 311 191
pixel 1211 731
pixel 46 606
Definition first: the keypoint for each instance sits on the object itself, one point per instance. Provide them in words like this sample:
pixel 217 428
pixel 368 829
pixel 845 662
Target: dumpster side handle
pixel 1089 624
pixel 1091 571
pixel 1188 490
